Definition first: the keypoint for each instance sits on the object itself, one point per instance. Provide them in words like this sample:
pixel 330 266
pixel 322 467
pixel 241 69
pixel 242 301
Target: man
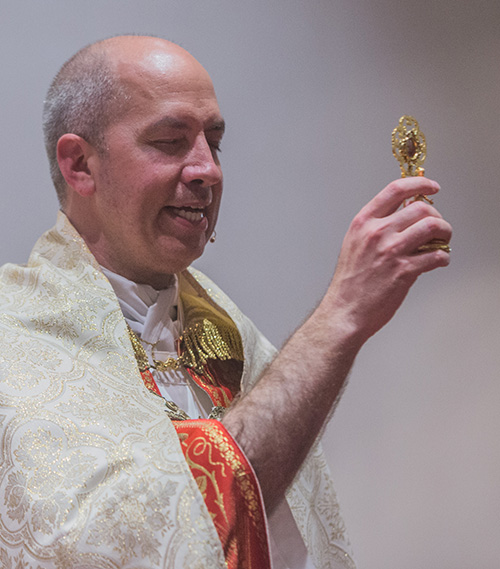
pixel 94 473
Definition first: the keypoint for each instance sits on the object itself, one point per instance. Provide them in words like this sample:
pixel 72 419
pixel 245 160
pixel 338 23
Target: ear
pixel 73 156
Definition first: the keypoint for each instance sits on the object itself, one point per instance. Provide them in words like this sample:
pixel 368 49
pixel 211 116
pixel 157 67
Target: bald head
pixel 95 86
pixel 129 54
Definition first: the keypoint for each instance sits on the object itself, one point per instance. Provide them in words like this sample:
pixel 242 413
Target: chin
pixel 180 262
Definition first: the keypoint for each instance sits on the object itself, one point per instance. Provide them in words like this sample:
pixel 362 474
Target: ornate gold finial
pixel 410 149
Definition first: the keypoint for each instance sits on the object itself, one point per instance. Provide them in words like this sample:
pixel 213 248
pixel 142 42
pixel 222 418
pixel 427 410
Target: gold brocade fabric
pixel 91 470
pixel 209 334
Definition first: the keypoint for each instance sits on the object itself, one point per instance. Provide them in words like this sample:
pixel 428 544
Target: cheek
pixel 139 186
pixel 155 180
pixel 216 196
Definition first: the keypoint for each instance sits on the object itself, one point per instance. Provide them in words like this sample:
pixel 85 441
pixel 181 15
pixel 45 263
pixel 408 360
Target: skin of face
pixel 156 190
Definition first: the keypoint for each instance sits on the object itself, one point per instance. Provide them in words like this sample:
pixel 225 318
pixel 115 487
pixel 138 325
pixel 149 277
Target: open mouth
pixel 193 215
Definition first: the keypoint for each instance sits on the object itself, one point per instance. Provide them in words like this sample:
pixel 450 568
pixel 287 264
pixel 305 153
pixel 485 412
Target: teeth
pixel 190 214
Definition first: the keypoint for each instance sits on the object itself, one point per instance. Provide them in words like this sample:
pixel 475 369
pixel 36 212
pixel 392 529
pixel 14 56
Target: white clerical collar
pixel 153 314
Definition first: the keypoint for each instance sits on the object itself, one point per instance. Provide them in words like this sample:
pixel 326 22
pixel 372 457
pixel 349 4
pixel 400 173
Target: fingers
pixel 408 228
pixel 411 214
pixel 425 262
pixel 423 231
pixel 394 194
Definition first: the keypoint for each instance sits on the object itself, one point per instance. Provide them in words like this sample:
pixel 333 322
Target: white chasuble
pixel 92 474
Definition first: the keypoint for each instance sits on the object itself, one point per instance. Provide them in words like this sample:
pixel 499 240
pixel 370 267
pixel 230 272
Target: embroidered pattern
pixel 47 470
pixel 132 516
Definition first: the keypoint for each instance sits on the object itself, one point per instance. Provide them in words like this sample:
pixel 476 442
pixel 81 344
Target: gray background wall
pixel 311 92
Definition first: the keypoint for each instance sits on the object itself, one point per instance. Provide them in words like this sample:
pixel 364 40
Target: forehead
pixel 167 82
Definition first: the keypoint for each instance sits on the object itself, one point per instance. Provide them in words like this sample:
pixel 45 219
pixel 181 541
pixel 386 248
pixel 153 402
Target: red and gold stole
pixel 229 487
pixel 230 490
pixel 212 353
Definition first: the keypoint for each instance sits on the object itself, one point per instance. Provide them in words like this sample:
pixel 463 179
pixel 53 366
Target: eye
pixel 215 146
pixel 168 142
pixel 169 145
pixel 214 141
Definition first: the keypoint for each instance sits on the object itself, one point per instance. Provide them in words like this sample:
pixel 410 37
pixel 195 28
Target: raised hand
pixel 379 259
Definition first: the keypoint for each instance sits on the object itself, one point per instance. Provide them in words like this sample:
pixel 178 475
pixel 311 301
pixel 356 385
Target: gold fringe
pixel 201 342
pixel 207 341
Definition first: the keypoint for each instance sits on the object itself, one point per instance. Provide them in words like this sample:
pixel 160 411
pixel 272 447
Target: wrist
pixel 341 325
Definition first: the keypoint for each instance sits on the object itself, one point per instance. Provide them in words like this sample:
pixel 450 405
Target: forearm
pixel 279 420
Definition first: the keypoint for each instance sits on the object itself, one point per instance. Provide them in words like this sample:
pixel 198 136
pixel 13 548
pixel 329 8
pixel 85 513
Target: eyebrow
pixel 217 125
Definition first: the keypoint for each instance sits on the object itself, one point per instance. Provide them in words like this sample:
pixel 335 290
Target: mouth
pixel 190 214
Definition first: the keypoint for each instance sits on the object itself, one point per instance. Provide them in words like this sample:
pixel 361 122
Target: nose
pixel 202 166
